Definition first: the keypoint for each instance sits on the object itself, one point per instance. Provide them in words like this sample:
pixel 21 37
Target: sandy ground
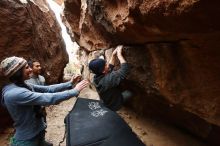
pixel 151 132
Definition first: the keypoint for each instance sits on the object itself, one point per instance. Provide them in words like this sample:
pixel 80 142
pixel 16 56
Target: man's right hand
pixel 119 49
pixel 114 52
pixel 113 57
pixel 119 54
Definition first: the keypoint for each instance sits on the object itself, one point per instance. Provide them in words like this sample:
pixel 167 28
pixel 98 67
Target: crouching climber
pixel 21 98
pixel 107 81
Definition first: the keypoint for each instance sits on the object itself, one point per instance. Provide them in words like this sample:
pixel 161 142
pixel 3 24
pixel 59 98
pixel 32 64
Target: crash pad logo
pixel 94 105
pixel 97 111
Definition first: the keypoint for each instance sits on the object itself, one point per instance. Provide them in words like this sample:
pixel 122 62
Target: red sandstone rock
pixel 173 49
pixel 60 2
pixel 30 30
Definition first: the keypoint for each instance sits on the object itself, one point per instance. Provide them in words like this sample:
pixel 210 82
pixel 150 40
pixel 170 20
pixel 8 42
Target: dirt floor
pixel 151 132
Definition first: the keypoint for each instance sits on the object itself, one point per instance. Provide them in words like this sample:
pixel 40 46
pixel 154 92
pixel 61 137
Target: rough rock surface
pixel 173 47
pixel 60 2
pixel 30 30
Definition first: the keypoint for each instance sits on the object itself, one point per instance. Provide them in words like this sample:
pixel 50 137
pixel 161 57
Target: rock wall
pixel 173 49
pixel 29 29
pixel 60 2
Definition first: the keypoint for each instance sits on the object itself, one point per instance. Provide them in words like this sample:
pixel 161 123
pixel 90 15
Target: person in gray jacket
pixel 107 81
pixel 21 98
pixel 36 78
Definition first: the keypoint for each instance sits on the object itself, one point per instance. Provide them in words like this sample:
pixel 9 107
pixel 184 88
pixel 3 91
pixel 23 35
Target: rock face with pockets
pixel 173 48
pixel 29 29
pixel 60 2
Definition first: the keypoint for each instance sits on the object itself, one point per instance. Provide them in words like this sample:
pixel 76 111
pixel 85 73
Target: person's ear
pixel 104 70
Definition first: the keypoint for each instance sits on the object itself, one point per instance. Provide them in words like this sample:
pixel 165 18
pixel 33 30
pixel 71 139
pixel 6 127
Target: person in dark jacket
pixel 107 81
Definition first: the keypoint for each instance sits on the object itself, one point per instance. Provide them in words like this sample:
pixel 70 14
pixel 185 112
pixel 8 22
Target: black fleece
pixel 107 86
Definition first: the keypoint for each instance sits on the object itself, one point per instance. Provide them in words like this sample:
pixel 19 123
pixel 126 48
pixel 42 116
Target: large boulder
pixel 173 48
pixel 29 29
pixel 59 2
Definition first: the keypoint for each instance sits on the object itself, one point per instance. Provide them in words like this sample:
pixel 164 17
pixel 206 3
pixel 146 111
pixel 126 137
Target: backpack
pixel 90 123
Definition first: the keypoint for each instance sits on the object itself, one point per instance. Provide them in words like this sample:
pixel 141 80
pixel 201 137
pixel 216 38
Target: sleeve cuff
pixel 73 92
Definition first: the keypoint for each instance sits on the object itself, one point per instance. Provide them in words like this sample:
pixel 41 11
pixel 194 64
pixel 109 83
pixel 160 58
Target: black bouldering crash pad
pixel 90 123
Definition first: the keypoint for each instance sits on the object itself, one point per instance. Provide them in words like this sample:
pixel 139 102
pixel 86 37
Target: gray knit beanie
pixel 11 65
